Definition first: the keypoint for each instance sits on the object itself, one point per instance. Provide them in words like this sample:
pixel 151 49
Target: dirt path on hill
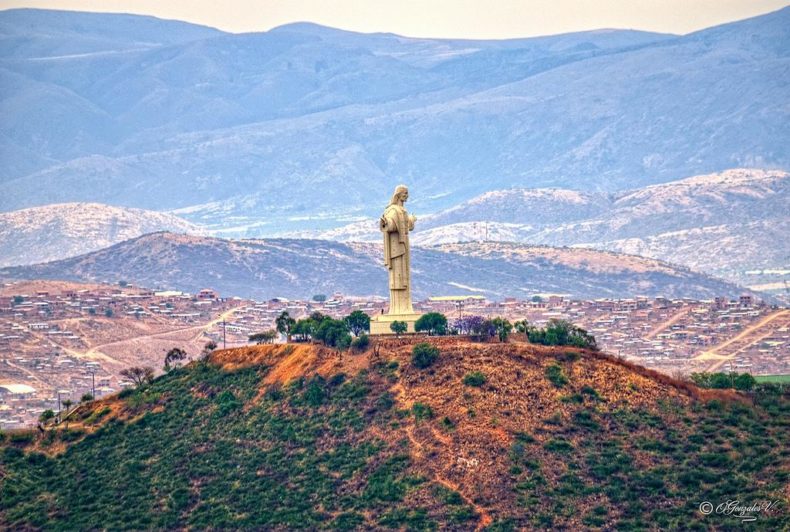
pixel 485 518
pixel 672 320
pixel 96 351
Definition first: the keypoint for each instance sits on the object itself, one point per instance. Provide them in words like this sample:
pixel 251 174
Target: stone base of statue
pixel 381 324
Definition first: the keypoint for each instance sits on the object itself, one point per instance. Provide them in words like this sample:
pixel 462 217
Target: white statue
pixel 395 224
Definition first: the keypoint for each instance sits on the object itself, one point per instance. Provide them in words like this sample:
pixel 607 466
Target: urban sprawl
pixel 60 341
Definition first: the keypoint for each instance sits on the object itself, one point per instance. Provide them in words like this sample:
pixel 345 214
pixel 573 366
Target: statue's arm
pixel 412 220
pixel 387 223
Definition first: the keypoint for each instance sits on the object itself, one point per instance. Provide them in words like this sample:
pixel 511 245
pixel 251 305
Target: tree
pixel 745 382
pixel 86 397
pixel 139 375
pixel 434 323
pixel 285 323
pixel 502 327
pixel 423 355
pixel 66 405
pixel 210 346
pixel 334 333
pixel 122 284
pixel 521 326
pixel 266 337
pixel 108 312
pixel 18 300
pixel 561 332
pixel 46 415
pixel 469 324
pixel 487 330
pixel 173 357
pixel 358 322
pixel 398 327
pixel 319 298
pixel 303 330
pixel 317 317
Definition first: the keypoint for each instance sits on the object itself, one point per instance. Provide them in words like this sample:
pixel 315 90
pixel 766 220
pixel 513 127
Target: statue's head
pixel 400 195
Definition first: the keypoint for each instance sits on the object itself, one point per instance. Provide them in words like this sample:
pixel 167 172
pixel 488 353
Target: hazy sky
pixel 437 18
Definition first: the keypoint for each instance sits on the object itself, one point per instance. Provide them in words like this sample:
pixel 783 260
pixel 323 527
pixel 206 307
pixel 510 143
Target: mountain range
pixel 299 127
pixel 725 224
pixel 300 268
pixel 52 232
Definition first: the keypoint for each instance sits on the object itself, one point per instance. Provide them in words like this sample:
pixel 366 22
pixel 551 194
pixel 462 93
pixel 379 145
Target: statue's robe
pixel 395 225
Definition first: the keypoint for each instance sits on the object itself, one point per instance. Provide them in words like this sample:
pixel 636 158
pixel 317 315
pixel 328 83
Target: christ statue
pixel 395 224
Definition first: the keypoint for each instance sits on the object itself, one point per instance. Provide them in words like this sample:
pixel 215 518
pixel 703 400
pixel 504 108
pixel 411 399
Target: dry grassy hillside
pixel 498 436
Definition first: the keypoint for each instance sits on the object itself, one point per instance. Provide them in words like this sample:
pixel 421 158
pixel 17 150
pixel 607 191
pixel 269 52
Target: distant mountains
pixel 42 234
pixel 299 127
pixel 725 224
pixel 297 268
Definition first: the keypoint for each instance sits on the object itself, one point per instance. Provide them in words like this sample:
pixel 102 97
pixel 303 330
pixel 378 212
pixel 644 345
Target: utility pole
pixel 93 383
pixel 58 406
pixel 224 343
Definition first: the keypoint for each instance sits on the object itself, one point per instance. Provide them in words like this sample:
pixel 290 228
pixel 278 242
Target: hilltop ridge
pixel 298 436
pixel 299 268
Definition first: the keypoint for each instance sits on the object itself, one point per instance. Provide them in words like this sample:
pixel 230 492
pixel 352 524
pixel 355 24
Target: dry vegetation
pixel 540 437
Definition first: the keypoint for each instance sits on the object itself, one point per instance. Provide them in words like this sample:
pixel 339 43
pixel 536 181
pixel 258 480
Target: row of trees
pixel 320 327
pixel 338 333
pixel 739 381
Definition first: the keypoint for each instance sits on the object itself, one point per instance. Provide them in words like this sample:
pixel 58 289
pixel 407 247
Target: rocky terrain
pixel 52 232
pixel 299 268
pixel 303 125
pixel 496 436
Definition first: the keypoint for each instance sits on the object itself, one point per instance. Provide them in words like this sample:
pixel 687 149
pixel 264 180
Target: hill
pixel 52 232
pixel 214 123
pixel 300 268
pixel 724 224
pixel 296 437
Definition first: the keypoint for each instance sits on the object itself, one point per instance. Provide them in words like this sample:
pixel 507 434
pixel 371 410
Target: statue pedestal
pixel 381 324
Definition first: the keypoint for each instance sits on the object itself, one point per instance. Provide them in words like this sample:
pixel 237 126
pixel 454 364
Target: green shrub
pixel 126 392
pixel 361 343
pixel 398 327
pixel 561 332
pixel 21 437
pixel 227 403
pixel 558 445
pixel 424 355
pixel 97 415
pixel 421 411
pixel 591 392
pixel 475 378
pixel 556 376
